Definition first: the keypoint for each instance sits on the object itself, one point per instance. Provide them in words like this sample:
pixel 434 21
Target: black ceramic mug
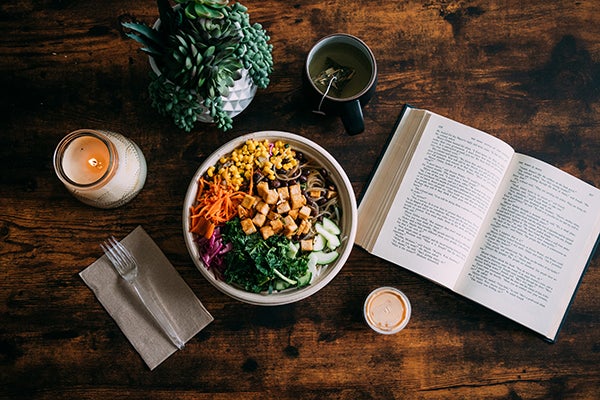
pixel 342 75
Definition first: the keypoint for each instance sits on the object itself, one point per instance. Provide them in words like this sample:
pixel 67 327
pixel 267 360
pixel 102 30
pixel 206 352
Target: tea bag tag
pixel 334 76
pixel 318 110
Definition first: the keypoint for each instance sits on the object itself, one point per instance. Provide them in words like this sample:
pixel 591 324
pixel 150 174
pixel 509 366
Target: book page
pixel 443 200
pixel 530 261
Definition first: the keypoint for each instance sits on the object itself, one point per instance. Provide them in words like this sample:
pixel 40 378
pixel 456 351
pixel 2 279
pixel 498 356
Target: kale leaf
pixel 253 262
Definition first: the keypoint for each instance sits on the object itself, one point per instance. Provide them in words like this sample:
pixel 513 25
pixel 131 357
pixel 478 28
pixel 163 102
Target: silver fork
pixel 126 265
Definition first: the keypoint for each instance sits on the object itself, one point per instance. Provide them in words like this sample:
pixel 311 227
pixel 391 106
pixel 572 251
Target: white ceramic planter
pixel 240 95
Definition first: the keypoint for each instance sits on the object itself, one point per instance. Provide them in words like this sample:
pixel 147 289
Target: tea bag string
pixel 318 110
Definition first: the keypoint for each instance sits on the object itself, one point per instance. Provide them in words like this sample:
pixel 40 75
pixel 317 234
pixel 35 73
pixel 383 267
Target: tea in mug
pixel 351 67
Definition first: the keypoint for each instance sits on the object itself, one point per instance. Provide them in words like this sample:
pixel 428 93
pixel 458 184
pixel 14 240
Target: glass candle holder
pixel 100 168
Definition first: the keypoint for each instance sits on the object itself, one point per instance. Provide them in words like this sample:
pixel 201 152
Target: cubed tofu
pixel 248 201
pixel 306 245
pixel 262 188
pixel 314 193
pixel 248 226
pixel 294 213
pixel 298 201
pixel 288 220
pixel 304 212
pixel 284 193
pixel 272 215
pixel 289 224
pixel 277 225
pixel 331 194
pixel 283 208
pixel 259 219
pixel 262 208
pixel 304 227
pixel 271 197
pixel 266 232
pixel 244 212
pixel 295 190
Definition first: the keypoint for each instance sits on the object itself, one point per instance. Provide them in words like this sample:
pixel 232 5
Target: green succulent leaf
pixel 207 12
pixel 209 52
pixel 204 8
pixel 190 12
pixel 201 49
pixel 154 43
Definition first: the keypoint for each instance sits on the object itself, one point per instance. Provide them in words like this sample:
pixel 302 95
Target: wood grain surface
pixel 525 71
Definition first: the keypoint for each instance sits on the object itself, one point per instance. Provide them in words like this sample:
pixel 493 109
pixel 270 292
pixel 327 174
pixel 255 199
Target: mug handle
pixel 352 117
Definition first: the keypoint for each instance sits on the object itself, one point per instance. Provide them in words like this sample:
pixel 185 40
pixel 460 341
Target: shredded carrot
pixel 216 203
pixel 251 181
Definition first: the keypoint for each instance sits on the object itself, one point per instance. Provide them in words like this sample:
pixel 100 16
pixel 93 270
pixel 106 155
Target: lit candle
pixel 101 168
pixel 86 159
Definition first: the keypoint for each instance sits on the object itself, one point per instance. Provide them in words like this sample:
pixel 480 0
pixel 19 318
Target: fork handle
pixel 151 303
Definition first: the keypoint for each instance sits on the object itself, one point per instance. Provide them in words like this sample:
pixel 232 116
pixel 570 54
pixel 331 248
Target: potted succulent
pixel 207 60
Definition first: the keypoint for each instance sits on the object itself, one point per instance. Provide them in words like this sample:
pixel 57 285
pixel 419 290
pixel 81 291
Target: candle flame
pixel 95 163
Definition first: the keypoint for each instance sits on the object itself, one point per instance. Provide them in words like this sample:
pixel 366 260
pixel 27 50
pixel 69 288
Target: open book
pixel 461 208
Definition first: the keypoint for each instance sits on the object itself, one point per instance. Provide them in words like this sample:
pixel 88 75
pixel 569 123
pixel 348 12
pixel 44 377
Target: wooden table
pixel 526 71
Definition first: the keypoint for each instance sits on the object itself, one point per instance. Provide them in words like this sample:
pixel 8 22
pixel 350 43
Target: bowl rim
pixel 290 295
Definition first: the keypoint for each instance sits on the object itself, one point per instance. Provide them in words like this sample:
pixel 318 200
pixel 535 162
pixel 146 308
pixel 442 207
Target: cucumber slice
pixel 333 241
pixel 293 250
pixel 305 279
pixel 325 257
pixel 319 242
pixel 331 227
pixel 312 266
pixel 280 285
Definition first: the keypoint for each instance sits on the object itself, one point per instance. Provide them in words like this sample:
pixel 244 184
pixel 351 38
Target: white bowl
pixel 348 219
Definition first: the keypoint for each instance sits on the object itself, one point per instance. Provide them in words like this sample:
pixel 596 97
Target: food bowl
pixel 347 222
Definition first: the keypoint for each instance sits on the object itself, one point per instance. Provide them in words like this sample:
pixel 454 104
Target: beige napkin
pixel 185 311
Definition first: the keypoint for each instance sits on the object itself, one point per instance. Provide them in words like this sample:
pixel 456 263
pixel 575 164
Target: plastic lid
pixel 387 310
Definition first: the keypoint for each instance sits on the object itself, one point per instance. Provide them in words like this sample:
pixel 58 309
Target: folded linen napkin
pixel 185 311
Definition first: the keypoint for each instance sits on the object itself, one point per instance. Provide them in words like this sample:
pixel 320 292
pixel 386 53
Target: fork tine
pixel 114 256
pixel 109 253
pixel 124 261
pixel 123 252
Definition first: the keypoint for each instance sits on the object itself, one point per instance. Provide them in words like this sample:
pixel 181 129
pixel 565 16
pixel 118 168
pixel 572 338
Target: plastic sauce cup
pixel 387 310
